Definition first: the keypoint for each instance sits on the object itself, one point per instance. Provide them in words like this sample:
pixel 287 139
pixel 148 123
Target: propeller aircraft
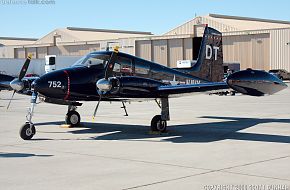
pixel 116 76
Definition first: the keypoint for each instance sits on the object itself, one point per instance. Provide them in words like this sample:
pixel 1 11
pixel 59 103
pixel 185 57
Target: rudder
pixel 209 65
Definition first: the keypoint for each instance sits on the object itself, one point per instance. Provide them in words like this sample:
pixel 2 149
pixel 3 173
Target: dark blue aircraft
pixel 116 76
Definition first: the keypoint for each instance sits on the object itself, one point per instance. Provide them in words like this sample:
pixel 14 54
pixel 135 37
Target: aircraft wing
pixel 192 88
pixel 5 81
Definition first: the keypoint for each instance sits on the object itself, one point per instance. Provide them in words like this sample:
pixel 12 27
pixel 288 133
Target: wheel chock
pixel 65 126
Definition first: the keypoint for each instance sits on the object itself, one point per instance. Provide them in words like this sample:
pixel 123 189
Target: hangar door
pixel 261 51
pixel 251 51
pixel 160 51
pixel 175 51
pixel 143 49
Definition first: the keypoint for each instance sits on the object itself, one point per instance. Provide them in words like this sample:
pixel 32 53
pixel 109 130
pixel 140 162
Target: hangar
pixel 73 41
pixel 251 42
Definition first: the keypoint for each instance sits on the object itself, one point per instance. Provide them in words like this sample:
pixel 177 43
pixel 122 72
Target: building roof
pixel 247 23
pixel 225 23
pixel 74 34
pixel 10 41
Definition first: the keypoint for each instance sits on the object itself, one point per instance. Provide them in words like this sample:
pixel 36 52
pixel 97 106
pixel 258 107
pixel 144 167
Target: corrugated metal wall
pixel 280 49
pixel 41 52
pixel 31 51
pixel 62 50
pixel 77 50
pixel 251 51
pixel 187 49
pixel 160 52
pixel 6 52
pixel 53 50
pixel 175 51
pixel 261 52
pixel 166 51
pixel 19 53
pixel 143 49
pixel 127 45
pixel 257 49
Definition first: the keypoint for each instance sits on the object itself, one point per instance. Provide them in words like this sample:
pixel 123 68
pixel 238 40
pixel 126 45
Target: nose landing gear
pixel 27 131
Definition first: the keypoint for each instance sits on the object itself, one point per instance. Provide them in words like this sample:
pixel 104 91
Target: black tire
pixel 158 125
pixel 73 118
pixel 281 78
pixel 26 133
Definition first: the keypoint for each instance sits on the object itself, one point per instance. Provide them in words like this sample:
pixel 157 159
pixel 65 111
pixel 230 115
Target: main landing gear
pixel 72 117
pixel 159 122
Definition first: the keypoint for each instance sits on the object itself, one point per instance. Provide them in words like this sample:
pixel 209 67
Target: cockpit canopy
pixel 92 60
pixel 125 65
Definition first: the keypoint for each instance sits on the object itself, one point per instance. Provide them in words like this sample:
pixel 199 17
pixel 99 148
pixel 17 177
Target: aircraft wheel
pixel 157 124
pixel 73 118
pixel 26 132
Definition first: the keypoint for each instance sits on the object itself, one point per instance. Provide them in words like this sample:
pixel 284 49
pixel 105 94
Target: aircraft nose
pixel 53 85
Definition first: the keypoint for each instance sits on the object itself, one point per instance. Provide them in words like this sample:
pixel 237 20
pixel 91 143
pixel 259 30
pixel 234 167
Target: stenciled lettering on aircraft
pixel 54 84
pixel 210 51
pixel 190 81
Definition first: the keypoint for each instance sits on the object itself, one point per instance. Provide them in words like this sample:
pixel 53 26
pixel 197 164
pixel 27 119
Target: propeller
pixel 96 109
pixel 17 84
pixel 11 99
pixel 104 85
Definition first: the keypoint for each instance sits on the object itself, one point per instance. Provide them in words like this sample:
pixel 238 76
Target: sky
pixel 26 18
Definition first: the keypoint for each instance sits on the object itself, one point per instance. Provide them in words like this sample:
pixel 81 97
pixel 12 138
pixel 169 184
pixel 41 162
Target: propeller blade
pixel 25 67
pixel 96 109
pixel 108 73
pixel 11 99
pixel 111 63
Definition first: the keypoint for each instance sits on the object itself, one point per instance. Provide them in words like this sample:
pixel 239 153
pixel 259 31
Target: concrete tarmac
pixel 213 142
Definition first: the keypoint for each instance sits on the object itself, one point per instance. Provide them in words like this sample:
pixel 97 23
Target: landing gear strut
pixel 159 122
pixel 27 131
pixel 72 117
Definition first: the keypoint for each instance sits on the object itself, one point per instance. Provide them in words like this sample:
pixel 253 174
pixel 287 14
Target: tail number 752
pixel 54 84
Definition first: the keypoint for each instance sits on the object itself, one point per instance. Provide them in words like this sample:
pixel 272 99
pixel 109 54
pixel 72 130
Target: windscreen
pixel 93 59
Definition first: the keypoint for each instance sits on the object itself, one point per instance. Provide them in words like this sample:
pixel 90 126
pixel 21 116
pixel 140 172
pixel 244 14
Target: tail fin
pixel 210 57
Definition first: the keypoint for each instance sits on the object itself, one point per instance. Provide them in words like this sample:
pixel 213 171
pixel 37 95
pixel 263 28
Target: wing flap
pixel 183 89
